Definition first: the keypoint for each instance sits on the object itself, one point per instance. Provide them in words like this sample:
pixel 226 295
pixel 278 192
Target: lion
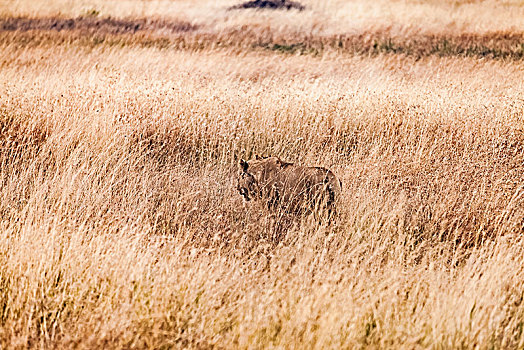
pixel 287 187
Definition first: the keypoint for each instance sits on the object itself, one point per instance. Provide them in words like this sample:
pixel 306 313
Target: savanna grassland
pixel 121 127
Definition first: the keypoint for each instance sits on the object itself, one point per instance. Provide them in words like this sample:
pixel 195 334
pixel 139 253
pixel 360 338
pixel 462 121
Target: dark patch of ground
pixel 106 25
pixel 269 4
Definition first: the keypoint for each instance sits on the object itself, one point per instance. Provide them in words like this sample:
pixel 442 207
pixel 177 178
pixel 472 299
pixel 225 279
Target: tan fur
pixel 289 187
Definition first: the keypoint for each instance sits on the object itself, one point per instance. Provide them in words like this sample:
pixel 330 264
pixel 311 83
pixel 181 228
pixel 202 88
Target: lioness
pixel 288 187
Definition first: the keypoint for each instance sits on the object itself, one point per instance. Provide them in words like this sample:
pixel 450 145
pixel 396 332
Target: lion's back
pixel 302 183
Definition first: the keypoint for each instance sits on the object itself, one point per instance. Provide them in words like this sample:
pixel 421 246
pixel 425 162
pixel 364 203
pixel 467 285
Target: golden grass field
pixel 121 127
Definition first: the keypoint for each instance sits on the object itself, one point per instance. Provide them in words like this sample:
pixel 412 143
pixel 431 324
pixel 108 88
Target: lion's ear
pixel 243 165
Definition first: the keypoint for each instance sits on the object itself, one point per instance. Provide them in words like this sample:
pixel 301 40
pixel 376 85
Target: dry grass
pixel 485 29
pixel 329 16
pixel 120 226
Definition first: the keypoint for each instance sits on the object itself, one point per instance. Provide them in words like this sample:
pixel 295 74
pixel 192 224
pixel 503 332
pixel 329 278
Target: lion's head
pixel 256 177
pixel 247 184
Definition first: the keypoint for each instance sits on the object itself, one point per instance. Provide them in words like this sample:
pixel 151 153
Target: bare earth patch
pixel 269 4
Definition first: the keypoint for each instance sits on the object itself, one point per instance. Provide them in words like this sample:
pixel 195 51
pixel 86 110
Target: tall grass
pixel 120 226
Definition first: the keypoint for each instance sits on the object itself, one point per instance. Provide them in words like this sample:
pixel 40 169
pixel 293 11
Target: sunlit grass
pixel 120 225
